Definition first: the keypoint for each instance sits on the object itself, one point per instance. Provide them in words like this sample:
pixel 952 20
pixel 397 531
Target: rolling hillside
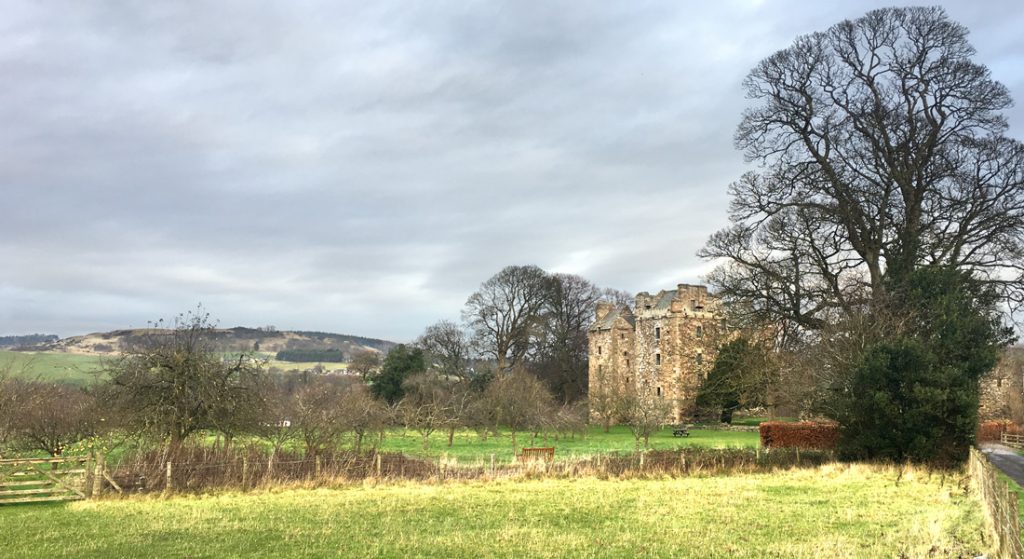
pixel 227 340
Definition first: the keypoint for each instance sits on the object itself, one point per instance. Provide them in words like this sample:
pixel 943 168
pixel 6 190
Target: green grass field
pixel 68 368
pixel 830 512
pixel 468 446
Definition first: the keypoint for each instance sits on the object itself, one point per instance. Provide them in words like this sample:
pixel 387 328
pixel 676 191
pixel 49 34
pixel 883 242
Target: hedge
pixel 805 434
pixel 991 431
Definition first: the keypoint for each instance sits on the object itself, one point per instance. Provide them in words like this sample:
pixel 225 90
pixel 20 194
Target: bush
pixel 806 434
pixel 992 431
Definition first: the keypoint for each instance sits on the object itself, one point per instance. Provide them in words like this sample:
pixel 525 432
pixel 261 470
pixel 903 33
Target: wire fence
pixel 1000 505
pixel 197 469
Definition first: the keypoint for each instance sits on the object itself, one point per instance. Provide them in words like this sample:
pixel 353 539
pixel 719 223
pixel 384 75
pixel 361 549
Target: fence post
pixel 169 483
pixel 90 468
pixel 318 466
pixel 378 465
pixel 492 463
pixel 245 470
pixel 97 476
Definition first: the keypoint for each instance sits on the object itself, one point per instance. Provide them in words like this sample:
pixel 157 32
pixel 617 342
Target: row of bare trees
pixel 45 417
pixel 522 318
pixel 173 386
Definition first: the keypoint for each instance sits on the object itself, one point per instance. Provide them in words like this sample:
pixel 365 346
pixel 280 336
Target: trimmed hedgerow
pixel 805 434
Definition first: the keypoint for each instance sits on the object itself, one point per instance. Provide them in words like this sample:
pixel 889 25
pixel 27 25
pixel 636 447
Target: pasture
pixel 67 368
pixel 469 446
pixel 828 512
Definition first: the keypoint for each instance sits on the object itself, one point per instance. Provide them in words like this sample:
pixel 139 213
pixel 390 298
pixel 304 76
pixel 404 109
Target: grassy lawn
pixel 754 421
pixel 68 368
pixel 830 512
pixel 468 446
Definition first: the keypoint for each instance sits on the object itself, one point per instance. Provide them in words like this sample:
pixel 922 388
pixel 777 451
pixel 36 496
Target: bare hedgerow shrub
pixel 422 409
pixel 318 414
pixel 645 411
pixel 518 401
pixel 50 417
pixel 362 414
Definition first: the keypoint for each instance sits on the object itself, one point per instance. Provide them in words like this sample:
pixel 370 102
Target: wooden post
pixel 642 454
pixel 318 466
pixel 90 468
pixel 97 476
pixel 378 465
pixel 492 463
pixel 245 470
pixel 169 483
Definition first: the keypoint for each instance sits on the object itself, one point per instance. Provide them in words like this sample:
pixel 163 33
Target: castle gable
pixel 613 318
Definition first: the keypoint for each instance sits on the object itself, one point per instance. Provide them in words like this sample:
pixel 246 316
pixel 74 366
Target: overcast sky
pixel 362 167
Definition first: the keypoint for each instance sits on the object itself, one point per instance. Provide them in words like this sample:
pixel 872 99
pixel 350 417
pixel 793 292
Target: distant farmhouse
pixel 665 346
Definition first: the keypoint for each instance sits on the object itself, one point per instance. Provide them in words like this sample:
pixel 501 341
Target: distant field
pixel 78 369
pixel 829 512
pixel 55 367
pixel 468 446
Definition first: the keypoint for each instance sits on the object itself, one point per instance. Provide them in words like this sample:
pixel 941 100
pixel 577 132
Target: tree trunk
pixel 451 435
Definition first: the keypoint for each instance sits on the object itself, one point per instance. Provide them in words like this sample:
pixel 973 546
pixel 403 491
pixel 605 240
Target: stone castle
pixel 664 347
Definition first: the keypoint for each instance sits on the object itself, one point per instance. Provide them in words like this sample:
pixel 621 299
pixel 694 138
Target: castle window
pixel 659 392
pixel 599 350
pixel 700 358
pixel 999 382
pixel 700 332
pixel 627 362
pixel 657 333
pixel 625 354
pixel 622 336
pixel 648 307
pixel 657 359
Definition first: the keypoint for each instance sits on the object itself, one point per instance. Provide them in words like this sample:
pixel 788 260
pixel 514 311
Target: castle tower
pixel 666 346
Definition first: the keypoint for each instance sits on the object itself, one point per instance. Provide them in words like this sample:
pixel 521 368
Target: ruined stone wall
pixel 1002 389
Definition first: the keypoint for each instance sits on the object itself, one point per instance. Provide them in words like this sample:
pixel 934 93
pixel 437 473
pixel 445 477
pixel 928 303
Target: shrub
pixel 806 434
pixel 991 431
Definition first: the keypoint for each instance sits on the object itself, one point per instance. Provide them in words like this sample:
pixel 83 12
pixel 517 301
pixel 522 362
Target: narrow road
pixel 1006 459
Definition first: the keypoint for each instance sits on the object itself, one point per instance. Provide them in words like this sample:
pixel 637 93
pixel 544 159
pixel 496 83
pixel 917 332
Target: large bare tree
pixel 174 382
pixel 447 350
pixel 505 314
pixel 882 148
pixel 561 358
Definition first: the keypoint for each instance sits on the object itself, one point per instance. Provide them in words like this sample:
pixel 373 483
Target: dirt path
pixel 1006 459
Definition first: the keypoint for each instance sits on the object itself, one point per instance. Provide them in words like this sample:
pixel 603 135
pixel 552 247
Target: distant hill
pixel 26 340
pixel 225 339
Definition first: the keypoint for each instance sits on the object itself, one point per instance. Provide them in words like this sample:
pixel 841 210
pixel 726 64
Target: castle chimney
pixel 603 308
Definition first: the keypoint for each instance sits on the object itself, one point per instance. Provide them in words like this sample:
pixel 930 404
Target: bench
pixel 545 454
pixel 681 431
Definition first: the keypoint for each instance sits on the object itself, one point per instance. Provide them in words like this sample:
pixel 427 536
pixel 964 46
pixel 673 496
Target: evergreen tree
pixel 400 363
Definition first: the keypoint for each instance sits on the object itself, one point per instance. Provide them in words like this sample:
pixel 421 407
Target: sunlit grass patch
pixel 833 511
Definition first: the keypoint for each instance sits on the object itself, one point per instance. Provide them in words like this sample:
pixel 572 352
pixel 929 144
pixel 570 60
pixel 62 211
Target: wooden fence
pixel 1000 507
pixel 37 480
pixel 1009 439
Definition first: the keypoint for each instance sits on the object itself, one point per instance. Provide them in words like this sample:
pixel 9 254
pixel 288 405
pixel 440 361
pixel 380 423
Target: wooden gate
pixel 37 480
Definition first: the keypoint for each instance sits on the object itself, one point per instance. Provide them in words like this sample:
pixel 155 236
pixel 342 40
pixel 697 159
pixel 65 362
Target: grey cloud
pixel 362 167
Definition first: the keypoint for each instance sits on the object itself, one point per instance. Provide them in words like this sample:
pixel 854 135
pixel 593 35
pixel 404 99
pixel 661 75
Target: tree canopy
pixel 882 148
